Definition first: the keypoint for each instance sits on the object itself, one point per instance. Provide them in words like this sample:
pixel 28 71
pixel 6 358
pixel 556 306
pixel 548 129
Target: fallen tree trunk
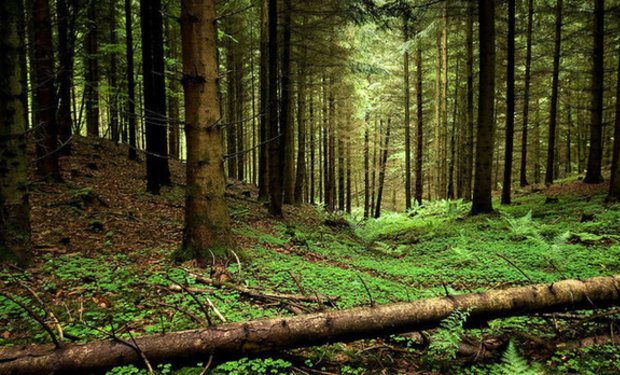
pixel 263 337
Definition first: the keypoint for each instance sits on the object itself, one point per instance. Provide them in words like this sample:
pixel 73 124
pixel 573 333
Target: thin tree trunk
pixel 468 164
pixel 263 172
pixel 231 105
pixel 595 155
pixel 526 95
pixel 312 143
pixel 207 224
pixel 271 115
pixel 300 176
pixel 510 106
pixel 348 173
pixel 419 181
pixel 66 16
pixel 131 86
pixel 92 73
pixel 407 113
pixel 15 233
pixel 382 168
pixel 614 184
pixel 482 202
pixel 113 121
pixel 554 95
pixel 287 152
pixel 173 86
pixel 366 167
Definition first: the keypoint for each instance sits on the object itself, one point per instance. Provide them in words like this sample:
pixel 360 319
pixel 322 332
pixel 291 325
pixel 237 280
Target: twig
pixel 182 310
pixel 206 368
pixel 514 265
pixel 297 282
pixel 372 302
pixel 202 306
pixel 34 316
pixel 238 264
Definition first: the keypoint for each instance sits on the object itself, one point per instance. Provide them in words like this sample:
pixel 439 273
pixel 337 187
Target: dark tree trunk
pixel 47 129
pixel 526 95
pixel 407 114
pixel 366 168
pixel 614 184
pixel 232 104
pixel 341 169
pixel 263 172
pixel 419 181
pixel 593 172
pixel 482 202
pixel 271 115
pixel 382 168
pixel 114 125
pixel 239 115
pixel 348 173
pixel 287 154
pixel 157 172
pixel 300 177
pixel 468 163
pixel 15 234
pixel 554 95
pixel 172 34
pixel 131 86
pixel 92 72
pixel 66 16
pixel 510 106
pixel 312 145
pixel 331 206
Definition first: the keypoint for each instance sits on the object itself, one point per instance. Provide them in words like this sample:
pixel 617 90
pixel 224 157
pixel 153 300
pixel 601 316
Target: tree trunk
pixel 468 163
pixel 207 224
pixel 526 95
pixel 312 145
pixel 271 115
pixel 114 124
pixel 287 153
pixel 382 168
pixel 347 206
pixel 407 113
pixel 366 167
pixel 172 34
pixel 131 86
pixel 248 339
pixel 157 172
pixel 554 95
pixel 263 172
pixel 614 184
pixel 232 104
pixel 419 182
pixel 482 202
pixel 15 234
pixel 66 16
pixel 510 106
pixel 443 156
pixel 593 172
pixel 47 129
pixel 92 72
pixel 300 177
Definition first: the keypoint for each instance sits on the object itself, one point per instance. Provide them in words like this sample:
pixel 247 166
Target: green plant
pixel 513 363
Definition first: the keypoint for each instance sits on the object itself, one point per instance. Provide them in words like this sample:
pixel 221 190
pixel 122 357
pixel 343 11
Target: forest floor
pixel 103 267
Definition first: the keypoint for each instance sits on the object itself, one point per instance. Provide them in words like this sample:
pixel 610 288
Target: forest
pixel 310 187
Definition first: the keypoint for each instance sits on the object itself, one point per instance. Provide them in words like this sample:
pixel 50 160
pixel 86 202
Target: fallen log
pixel 265 336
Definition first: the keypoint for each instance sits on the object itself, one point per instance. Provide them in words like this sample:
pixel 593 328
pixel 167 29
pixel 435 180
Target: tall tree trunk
pixel 554 95
pixel 286 109
pixel 593 172
pixel 232 104
pixel 207 224
pixel 510 106
pixel 131 86
pixel 382 168
pixel 271 115
pixel 526 95
pixel 373 180
pixel 66 16
pixel 172 38
pixel 443 158
pixel 482 202
pixel 341 168
pixel 263 172
pixel 537 137
pixel 366 167
pixel 157 172
pixel 47 129
pixel 239 115
pixel 300 176
pixel 468 163
pixel 92 72
pixel 452 159
pixel 15 234
pixel 311 122
pixel 614 183
pixel 114 125
pixel 407 113
pixel 438 117
pixel 347 205
pixel 419 181
pixel 569 133
pixel 332 145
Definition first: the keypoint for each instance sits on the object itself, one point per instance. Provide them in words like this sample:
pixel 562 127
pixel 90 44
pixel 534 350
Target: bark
pixel 482 202
pixel 66 16
pixel 595 155
pixel 526 95
pixel 383 168
pixel 312 145
pixel 207 223
pixel 300 177
pixel 46 129
pixel 15 237
pixel 419 182
pixel 266 336
pixel 510 106
pixel 614 184
pixel 232 104
pixel 157 172
pixel 271 115
pixel 331 147
pixel 92 73
pixel 341 168
pixel 407 113
pixel 348 172
pixel 287 154
pixel 468 163
pixel 114 123
pixel 549 176
pixel 173 88
pixel 443 158
pixel 131 86
pixel 263 172
pixel 366 168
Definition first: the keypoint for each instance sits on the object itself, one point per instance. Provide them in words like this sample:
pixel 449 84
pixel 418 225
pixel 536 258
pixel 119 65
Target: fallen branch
pixel 263 337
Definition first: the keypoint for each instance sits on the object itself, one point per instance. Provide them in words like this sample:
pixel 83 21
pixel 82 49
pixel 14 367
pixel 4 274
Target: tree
pixel 66 13
pixel 420 127
pixel 300 176
pixel 407 113
pixel 526 95
pixel 131 86
pixel 263 172
pixel 271 114
pixel 207 224
pixel 482 202
pixel 157 172
pixel 593 172
pixel 15 242
pixel 113 122
pixel 614 184
pixel 46 129
pixel 549 175
pixel 382 168
pixel 287 151
pixel 92 72
pixel 468 152
pixel 510 105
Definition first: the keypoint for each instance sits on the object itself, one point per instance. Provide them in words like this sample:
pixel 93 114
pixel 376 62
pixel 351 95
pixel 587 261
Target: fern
pixel 522 227
pixel 514 364
pixel 445 342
